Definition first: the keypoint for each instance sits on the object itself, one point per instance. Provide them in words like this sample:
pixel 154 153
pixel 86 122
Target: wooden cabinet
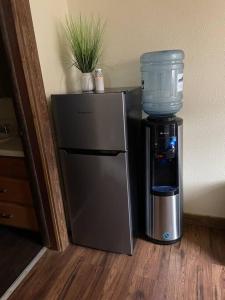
pixel 15 191
pixel 16 208
pixel 18 216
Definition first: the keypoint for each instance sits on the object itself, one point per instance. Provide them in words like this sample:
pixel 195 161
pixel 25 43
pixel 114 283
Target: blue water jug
pixel 162 82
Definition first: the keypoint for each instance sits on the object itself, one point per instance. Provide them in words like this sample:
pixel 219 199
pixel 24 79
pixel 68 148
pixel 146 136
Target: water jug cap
pixel 165 55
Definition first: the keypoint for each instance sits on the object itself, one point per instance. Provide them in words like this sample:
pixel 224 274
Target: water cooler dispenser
pixel 162 93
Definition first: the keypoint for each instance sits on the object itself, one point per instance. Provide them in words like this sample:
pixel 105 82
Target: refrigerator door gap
pixel 93 152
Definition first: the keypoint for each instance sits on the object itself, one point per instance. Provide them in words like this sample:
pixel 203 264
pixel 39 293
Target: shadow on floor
pixel 206 242
pixel 17 249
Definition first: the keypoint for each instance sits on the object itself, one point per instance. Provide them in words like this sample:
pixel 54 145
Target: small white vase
pixel 87 82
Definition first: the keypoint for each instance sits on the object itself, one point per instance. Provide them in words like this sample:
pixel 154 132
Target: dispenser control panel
pixel 165 142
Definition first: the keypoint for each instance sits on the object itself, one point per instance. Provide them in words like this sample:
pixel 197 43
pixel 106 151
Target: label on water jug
pixel 180 82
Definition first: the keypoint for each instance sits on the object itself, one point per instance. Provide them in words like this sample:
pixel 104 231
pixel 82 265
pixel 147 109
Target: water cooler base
pixel 159 242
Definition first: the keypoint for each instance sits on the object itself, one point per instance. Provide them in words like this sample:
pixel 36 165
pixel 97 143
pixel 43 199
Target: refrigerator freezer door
pixel 99 204
pixel 90 121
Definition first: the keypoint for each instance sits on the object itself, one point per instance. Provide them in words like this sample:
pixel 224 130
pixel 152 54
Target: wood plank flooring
pixel 191 269
pixel 17 248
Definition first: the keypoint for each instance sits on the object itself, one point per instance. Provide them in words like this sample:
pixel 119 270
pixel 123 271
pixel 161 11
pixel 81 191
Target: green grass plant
pixel 84 37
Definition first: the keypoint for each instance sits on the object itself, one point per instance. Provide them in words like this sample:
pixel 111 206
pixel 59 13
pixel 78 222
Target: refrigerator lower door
pixel 97 190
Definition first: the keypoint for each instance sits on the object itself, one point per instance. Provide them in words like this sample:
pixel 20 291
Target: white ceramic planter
pixel 87 82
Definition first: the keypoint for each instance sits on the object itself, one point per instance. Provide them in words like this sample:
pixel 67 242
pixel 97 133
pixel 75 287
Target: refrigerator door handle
pixel 93 152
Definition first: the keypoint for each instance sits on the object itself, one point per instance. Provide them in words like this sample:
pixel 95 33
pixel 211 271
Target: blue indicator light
pixel 173 141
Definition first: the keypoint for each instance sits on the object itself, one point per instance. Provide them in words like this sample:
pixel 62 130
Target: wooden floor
pixel 192 269
pixel 17 249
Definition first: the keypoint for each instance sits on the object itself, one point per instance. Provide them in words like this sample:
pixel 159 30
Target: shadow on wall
pixel 124 74
pixel 201 200
pixel 71 74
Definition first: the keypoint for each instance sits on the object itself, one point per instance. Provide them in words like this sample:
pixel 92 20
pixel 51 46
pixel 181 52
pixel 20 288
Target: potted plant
pixel 85 42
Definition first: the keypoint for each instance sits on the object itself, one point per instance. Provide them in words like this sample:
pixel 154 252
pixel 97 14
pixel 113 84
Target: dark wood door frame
pixel 19 40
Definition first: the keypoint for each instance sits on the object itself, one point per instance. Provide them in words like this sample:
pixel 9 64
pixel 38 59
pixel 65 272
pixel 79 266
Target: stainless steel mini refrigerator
pixel 98 137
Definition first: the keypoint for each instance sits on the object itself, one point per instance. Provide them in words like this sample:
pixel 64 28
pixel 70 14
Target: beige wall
pixel 47 16
pixel 198 27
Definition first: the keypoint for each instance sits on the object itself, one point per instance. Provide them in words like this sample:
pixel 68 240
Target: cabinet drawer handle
pixel 3 190
pixel 4 215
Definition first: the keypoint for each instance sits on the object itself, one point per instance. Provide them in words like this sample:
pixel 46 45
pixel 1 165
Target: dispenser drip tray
pixel 164 190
